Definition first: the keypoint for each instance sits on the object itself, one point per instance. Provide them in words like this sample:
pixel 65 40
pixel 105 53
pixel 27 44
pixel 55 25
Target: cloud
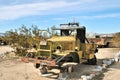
pixel 45 7
pixel 101 16
pixel 17 11
pixel 86 17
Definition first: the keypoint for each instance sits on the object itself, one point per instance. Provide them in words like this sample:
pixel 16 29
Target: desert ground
pixel 15 69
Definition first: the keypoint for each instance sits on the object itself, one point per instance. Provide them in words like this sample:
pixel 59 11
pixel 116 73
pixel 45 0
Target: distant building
pixel 96 35
pixel 91 35
pixel 106 35
pixel 102 40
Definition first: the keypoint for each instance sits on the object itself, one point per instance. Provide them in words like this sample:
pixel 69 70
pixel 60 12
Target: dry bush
pixel 115 42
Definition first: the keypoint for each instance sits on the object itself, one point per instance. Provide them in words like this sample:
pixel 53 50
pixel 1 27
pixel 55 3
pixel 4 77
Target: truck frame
pixel 71 46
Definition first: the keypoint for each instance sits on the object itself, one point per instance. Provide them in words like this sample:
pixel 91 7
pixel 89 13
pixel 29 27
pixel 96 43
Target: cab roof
pixel 62 39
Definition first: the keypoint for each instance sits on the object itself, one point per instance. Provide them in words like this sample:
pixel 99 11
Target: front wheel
pixel 37 65
pixel 43 70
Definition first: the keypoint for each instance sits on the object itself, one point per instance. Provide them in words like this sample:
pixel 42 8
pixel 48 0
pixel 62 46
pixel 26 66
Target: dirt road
pixel 18 70
pixel 112 73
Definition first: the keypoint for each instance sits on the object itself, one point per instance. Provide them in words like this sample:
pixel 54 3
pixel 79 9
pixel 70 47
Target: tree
pixel 36 36
pixel 24 38
pixel 11 37
pixel 116 40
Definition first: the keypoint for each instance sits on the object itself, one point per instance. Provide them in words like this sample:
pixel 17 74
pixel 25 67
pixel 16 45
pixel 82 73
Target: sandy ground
pixel 17 70
pixel 112 73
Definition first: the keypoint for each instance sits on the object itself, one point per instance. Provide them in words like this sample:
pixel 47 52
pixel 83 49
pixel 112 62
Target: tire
pixel 37 65
pixel 71 57
pixel 92 61
pixel 96 50
pixel 43 70
pixel 74 56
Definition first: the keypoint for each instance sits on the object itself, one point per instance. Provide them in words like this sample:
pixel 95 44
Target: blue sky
pixel 99 16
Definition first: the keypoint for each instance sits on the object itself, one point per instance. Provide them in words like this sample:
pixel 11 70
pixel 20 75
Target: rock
pixel 99 69
pixel 89 77
pixel 117 57
pixel 92 75
pixel 83 76
pixel 104 66
pixel 107 62
pixel 112 60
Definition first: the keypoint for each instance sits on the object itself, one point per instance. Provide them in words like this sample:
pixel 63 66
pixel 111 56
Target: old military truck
pixel 70 46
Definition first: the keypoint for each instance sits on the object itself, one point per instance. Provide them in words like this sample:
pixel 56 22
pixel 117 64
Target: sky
pixel 99 16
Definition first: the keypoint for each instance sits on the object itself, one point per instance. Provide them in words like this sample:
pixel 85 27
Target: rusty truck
pixel 70 46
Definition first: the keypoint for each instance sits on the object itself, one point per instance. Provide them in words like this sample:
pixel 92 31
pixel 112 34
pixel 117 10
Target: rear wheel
pixel 74 56
pixel 92 61
pixel 71 57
